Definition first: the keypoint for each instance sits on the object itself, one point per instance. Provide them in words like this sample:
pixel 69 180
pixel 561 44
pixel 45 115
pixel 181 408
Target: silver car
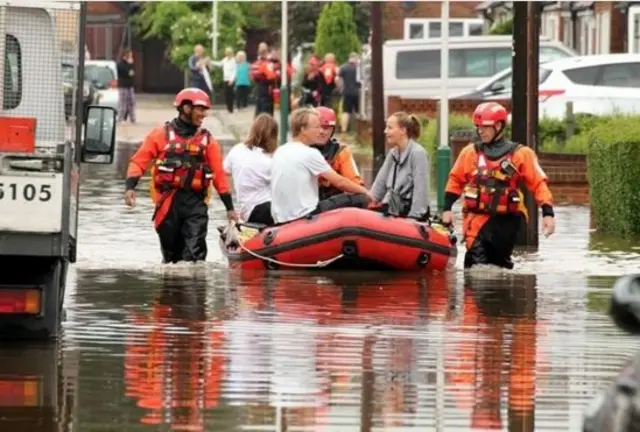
pixel 103 74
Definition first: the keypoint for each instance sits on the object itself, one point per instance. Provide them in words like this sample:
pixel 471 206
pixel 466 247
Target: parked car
pixel 412 67
pixel 595 84
pixel 103 74
pixel 69 76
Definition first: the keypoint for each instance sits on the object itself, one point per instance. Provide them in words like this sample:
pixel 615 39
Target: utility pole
pixel 443 154
pixel 377 88
pixel 214 29
pixel 284 69
pixel 526 26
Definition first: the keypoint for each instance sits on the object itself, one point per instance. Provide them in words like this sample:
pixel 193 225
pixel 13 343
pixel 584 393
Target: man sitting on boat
pixel 338 155
pixel 296 168
pixel 401 187
pixel 249 164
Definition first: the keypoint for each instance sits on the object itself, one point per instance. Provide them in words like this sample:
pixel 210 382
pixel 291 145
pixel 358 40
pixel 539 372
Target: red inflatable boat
pixel 349 239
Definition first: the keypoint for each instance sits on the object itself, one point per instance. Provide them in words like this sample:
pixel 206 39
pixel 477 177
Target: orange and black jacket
pixel 524 160
pixel 341 160
pixel 152 149
pixel 263 73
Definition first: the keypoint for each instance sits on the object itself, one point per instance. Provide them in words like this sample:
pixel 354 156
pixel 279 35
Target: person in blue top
pixel 243 79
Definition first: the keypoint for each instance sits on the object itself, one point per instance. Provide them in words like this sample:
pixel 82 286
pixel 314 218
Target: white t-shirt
pixel 251 173
pixel 294 181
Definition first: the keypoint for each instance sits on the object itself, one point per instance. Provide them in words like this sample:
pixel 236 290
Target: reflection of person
pixel 188 161
pixel 500 324
pixel 487 175
pixel 184 368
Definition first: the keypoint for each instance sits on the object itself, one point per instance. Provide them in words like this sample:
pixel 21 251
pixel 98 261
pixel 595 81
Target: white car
pixel 595 84
pixel 103 74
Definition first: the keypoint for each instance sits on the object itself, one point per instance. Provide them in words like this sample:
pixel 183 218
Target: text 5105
pixel 25 192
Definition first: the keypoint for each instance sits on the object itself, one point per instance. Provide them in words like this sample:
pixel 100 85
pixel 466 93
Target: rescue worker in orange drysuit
pixel 263 73
pixel 487 175
pixel 188 160
pixel 339 158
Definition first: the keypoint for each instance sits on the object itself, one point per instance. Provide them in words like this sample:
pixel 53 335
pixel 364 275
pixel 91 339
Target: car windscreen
pixel 102 75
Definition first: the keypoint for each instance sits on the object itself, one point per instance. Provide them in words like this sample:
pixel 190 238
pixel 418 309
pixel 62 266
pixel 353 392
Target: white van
pixel 412 67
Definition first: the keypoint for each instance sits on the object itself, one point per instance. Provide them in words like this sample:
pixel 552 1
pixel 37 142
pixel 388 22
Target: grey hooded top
pixel 411 168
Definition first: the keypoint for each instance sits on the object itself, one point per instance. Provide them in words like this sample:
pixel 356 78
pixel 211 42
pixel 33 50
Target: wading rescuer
pixel 188 160
pixel 336 154
pixel 487 175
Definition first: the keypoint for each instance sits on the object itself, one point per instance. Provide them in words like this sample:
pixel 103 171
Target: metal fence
pixel 40 57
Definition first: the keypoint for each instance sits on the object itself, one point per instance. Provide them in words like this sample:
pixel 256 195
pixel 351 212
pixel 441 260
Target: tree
pixel 336 31
pixel 502 28
pixel 303 18
pixel 186 24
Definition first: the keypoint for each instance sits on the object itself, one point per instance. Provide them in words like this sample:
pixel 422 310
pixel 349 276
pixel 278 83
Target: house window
pixel 633 30
pixel 567 32
pixel 12 86
pixel 420 28
pixel 549 25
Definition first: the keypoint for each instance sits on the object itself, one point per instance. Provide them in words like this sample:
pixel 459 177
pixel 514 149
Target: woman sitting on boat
pixel 249 164
pixel 401 187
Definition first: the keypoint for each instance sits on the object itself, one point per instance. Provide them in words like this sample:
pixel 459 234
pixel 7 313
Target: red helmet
pixel 327 116
pixel 489 113
pixel 194 96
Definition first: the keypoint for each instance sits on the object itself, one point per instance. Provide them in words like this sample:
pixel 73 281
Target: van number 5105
pixel 26 192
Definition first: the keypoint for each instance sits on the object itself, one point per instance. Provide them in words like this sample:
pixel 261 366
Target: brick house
pixel 589 27
pixel 421 19
pixel 108 32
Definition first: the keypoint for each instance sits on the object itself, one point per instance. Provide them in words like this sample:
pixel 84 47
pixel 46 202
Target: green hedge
pixel 613 169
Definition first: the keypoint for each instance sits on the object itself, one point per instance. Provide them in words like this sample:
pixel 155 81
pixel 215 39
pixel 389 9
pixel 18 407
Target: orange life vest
pixel 183 164
pixel 494 186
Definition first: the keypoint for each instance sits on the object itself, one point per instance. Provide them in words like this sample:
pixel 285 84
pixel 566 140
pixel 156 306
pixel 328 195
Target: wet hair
pixel 409 122
pixel 263 133
pixel 300 119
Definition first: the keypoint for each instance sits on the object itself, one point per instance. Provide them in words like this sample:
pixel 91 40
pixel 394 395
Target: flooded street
pixel 147 347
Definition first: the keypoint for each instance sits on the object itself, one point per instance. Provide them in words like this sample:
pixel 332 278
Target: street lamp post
pixel 214 29
pixel 443 154
pixel 284 69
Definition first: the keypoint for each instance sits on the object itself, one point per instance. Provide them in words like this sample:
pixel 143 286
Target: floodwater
pixel 147 347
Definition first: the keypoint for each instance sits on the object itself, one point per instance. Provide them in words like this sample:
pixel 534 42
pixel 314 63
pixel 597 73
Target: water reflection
pixel 37 392
pixel 496 357
pixel 174 362
pixel 199 349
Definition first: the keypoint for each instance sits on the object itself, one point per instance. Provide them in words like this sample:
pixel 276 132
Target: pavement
pixel 155 110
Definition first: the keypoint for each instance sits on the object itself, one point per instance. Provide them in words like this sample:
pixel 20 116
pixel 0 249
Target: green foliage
pixel 613 169
pixel 303 18
pixel 430 137
pixel 336 31
pixel 186 24
pixel 502 28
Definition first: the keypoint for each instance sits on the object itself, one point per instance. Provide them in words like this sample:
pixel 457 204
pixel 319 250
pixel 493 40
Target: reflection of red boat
pixel 349 238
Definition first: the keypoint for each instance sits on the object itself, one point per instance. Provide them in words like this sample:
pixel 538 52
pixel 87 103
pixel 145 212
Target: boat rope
pixel 284 264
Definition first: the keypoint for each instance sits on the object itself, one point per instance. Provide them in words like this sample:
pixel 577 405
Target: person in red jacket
pixel 264 75
pixel 188 160
pixel 329 71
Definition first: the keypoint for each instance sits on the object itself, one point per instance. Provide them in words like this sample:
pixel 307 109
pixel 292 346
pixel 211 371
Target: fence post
pixel 443 159
pixel 570 120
